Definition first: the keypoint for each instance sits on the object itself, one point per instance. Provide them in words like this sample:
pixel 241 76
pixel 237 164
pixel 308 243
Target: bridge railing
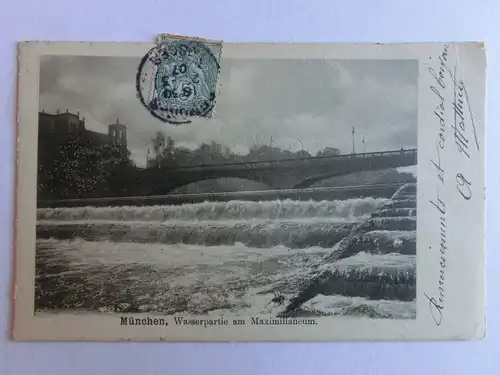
pixel 404 152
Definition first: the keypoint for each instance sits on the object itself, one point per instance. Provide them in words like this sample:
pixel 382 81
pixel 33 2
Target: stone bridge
pixel 298 173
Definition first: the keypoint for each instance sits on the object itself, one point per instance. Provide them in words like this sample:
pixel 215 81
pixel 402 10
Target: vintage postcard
pixel 196 190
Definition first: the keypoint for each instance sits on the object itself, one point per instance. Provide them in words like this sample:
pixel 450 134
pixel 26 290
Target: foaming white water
pixel 190 279
pixel 232 210
pixel 394 235
pixel 172 279
pixel 175 222
pixel 406 191
pixel 363 261
pixel 359 306
pixel 225 257
pixel 88 253
pixel 391 260
pixel 251 233
pixel 411 169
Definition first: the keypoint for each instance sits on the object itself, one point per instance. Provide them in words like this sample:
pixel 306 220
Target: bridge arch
pixel 310 181
pixel 238 184
pixel 167 183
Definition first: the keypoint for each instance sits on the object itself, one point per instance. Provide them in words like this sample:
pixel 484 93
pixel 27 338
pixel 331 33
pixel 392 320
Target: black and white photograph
pixel 298 199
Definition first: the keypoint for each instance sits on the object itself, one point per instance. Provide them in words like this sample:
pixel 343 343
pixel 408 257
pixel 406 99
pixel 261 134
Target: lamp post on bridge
pixel 353 150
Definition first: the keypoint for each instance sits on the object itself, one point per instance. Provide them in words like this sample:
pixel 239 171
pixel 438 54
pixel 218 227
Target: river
pixel 353 257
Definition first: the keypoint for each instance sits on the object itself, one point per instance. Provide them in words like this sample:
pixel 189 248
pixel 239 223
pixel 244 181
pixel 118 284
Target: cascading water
pixel 382 237
pixel 350 257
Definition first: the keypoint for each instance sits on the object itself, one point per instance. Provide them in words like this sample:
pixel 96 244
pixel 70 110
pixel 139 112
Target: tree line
pixel 73 167
pixel 167 154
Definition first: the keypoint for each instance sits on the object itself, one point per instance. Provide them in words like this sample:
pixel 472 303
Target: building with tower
pixel 62 126
pixel 118 134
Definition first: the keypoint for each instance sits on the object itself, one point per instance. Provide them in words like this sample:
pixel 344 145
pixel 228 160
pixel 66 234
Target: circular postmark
pixel 177 80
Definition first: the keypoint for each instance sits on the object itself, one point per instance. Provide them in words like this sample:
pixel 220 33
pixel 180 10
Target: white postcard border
pixel 463 287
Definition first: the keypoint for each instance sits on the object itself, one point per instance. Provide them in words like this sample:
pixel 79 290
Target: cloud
pixel 139 156
pixel 313 103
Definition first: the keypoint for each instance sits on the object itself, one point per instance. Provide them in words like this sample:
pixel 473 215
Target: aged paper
pixel 194 190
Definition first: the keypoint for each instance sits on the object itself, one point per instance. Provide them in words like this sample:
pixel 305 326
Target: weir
pixel 387 282
pixel 317 194
pixel 353 252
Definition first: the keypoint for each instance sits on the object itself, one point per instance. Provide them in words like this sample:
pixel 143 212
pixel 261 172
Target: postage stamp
pixel 177 79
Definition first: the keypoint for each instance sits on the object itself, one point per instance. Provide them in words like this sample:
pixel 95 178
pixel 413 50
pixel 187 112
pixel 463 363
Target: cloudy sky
pixel 296 103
